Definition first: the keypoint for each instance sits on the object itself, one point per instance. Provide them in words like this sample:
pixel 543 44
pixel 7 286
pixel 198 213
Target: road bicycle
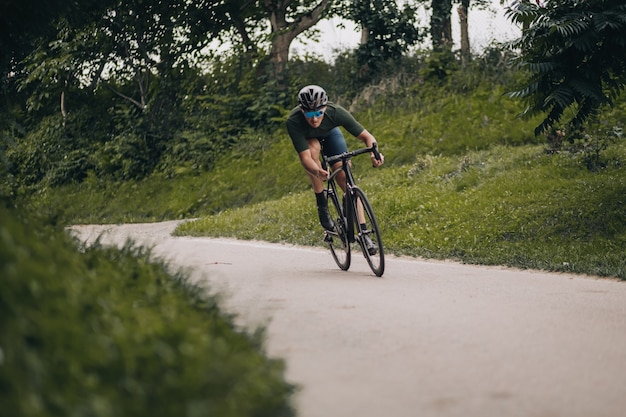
pixel 353 216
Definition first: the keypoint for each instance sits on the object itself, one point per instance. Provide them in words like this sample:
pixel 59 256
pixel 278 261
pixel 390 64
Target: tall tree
pixel 575 53
pixel 288 19
pixel 387 32
pixel 143 41
pixel 142 51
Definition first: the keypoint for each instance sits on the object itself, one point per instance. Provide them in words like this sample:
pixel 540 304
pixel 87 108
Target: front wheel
pixel 368 234
pixel 338 239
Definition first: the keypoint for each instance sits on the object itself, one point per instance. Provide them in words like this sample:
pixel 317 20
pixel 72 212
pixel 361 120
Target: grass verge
pixel 506 206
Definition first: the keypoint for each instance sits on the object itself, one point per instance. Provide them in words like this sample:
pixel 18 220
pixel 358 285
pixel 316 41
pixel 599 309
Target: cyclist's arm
pixel 369 139
pixel 311 166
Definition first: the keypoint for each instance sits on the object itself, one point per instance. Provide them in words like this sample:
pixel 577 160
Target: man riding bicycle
pixel 314 126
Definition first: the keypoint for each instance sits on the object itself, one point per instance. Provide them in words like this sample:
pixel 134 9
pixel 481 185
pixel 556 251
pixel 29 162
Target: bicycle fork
pixel 348 208
pixel 333 198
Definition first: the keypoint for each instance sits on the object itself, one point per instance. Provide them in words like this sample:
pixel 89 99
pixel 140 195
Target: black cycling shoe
pixel 325 220
pixel 369 245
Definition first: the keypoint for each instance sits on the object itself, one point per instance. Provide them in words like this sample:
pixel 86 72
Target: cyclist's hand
pixel 377 162
pixel 377 158
pixel 322 174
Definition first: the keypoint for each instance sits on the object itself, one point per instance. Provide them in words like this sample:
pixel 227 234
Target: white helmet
pixel 312 97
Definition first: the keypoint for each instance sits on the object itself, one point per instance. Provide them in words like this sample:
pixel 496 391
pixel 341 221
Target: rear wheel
pixel 337 240
pixel 368 234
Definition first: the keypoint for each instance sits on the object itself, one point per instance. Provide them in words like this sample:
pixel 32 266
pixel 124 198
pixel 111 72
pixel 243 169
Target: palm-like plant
pixel 575 53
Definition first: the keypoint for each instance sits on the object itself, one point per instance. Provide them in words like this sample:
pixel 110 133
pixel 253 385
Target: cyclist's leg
pixel 315 148
pixel 318 187
pixel 334 144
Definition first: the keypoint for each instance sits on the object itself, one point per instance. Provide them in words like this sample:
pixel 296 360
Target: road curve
pixel 428 339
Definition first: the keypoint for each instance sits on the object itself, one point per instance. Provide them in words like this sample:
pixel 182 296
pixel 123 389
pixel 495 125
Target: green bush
pixel 108 332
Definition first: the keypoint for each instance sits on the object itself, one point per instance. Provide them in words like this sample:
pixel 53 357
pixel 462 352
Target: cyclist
pixel 316 121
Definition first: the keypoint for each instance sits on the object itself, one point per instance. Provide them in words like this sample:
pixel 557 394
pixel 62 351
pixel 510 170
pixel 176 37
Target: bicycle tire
pixel 338 239
pixel 375 259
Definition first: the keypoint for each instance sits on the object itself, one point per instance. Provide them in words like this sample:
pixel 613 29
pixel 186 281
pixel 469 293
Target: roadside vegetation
pixel 503 199
pixel 464 179
pixel 109 332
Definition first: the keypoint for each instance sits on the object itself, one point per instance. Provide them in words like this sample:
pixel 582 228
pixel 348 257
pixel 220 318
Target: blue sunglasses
pixel 312 114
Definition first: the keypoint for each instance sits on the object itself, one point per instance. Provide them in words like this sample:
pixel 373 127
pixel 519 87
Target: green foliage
pixel 390 32
pixel 460 113
pixel 124 157
pixel 25 23
pixel 62 151
pixel 108 332
pixel 439 65
pixel 235 96
pixel 592 143
pixel 183 193
pixel 119 141
pixel 574 52
pixel 120 81
pixel 47 155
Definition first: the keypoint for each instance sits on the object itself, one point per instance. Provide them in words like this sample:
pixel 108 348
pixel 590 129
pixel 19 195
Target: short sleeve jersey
pixel 299 129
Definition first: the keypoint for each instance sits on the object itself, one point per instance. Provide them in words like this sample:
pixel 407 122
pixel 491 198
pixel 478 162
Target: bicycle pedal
pixel 328 238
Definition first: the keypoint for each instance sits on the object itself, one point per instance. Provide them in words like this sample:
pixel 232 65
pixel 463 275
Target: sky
pixel 485 27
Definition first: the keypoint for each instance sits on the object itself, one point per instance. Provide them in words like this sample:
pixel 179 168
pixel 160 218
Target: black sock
pixel 321 199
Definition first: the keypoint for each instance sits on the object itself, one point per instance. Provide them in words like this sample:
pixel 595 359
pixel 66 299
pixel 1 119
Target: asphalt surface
pixel 427 339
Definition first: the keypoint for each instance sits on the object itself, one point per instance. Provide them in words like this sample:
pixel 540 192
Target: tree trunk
pixel 440 25
pixel 364 69
pixel 283 32
pixel 63 112
pixel 279 56
pixel 466 54
pixel 365 34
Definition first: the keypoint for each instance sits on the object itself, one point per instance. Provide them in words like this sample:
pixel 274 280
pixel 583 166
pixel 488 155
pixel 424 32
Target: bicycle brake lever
pixel 375 151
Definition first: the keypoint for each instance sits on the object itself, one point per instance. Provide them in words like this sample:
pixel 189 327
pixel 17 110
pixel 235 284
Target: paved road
pixel 428 339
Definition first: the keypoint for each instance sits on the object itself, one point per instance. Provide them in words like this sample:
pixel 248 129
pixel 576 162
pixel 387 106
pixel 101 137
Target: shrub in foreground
pixel 108 332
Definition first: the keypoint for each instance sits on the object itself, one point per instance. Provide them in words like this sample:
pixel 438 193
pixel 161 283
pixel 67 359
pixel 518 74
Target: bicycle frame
pixel 355 213
pixel 345 158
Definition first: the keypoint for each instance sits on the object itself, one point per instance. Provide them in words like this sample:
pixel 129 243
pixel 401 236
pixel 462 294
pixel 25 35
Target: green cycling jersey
pixel 334 116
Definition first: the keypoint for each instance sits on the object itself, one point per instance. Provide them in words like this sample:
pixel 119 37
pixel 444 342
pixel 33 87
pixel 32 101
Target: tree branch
pixel 125 97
